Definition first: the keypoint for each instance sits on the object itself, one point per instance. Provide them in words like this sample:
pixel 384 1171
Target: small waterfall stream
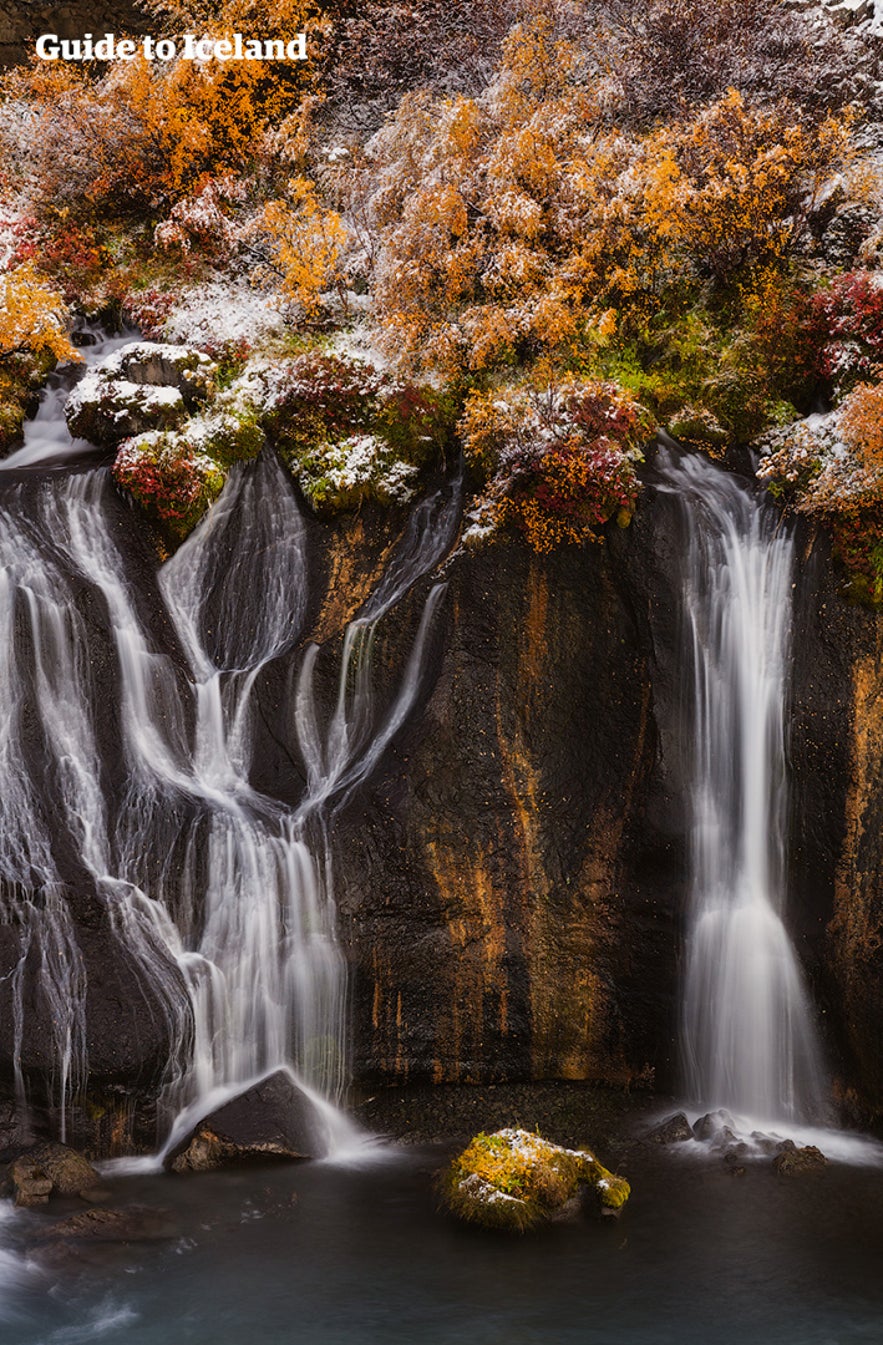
pixel 748 1032
pixel 220 897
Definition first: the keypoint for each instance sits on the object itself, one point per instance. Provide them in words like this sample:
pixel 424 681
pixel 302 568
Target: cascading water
pixel 220 897
pixel 749 1040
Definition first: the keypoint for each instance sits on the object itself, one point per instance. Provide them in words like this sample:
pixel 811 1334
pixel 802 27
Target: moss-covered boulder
pixel 698 425
pixel 514 1180
pixel 21 378
pixel 349 433
pixel 142 387
pixel 171 477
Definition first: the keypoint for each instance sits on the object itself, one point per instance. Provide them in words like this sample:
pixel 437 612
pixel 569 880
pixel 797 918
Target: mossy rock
pixel 697 425
pixel 172 479
pixel 514 1180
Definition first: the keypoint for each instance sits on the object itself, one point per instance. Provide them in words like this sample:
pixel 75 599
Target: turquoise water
pixel 360 1256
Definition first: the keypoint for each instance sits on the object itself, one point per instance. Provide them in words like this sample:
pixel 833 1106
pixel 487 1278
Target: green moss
pixel 233 436
pixel 513 1180
pixel 21 377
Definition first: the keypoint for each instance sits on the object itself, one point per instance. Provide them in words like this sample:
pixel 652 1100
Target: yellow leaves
pixel 535 67
pixel 462 123
pixel 520 224
pixel 32 316
pixel 441 208
pixel 516 214
pixel 663 189
pixel 151 131
pixel 308 239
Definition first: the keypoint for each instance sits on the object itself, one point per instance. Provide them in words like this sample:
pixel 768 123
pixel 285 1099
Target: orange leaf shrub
pixel 558 461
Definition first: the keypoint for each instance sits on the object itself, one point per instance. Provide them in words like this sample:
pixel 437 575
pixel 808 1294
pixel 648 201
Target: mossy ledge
pixel 514 1180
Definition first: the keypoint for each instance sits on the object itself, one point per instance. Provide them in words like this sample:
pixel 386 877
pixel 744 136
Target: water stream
pixel 748 1029
pixel 219 895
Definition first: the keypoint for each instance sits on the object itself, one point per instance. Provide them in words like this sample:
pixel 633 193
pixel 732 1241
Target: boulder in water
pixel 713 1126
pixel 127 1223
pixel 30 1185
pixel 514 1180
pixel 673 1130
pixel 48 1169
pixel 271 1121
pixel 70 1173
pixel 793 1161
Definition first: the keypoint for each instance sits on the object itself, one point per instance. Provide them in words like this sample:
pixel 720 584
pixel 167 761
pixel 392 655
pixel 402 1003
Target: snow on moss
pixel 514 1180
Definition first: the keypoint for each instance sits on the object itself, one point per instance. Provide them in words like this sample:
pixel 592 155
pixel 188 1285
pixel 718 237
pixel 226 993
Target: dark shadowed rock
pixel 49 1169
pixel 30 1185
pixel 712 1125
pixel 274 1120
pixel 69 1172
pixel 129 1223
pixel 673 1130
pixel 792 1161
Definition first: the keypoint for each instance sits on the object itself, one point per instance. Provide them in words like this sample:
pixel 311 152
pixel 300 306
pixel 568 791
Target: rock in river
pixel 50 1169
pixel 272 1120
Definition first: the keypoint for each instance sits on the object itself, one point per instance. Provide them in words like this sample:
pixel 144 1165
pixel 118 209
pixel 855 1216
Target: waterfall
pixel 220 897
pixel 748 1033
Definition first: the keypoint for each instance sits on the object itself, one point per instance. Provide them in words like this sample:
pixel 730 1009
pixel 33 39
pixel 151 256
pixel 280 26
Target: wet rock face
pixel 836 906
pixel 49 1169
pixel 673 1130
pixel 510 889
pixel 275 1120
pixel 127 1037
pixel 794 1161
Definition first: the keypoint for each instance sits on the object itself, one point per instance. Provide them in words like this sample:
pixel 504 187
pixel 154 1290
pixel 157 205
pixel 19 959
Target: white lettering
pixel 47 46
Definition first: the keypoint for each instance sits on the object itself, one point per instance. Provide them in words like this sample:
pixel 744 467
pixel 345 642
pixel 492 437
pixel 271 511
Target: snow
pixel 221 313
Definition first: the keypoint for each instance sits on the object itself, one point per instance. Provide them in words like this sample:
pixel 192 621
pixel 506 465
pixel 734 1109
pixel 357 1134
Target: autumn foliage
pixel 559 224
pixel 558 460
pixel 33 317
pixel 519 226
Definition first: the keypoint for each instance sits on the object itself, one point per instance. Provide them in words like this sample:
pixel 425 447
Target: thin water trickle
pixel 748 1029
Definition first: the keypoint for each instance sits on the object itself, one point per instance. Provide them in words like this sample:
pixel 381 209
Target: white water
pixel 221 897
pixel 748 1029
pixel 47 440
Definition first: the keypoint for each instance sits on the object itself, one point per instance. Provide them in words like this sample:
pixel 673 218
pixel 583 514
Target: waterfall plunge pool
pixel 358 1255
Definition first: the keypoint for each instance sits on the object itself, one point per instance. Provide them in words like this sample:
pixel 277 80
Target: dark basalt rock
pixel 713 1126
pixel 127 1223
pixel 49 1169
pixel 792 1161
pixel 510 885
pixel 673 1130
pixel 272 1121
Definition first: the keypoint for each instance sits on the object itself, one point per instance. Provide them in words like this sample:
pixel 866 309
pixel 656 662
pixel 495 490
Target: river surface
pixel 358 1255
